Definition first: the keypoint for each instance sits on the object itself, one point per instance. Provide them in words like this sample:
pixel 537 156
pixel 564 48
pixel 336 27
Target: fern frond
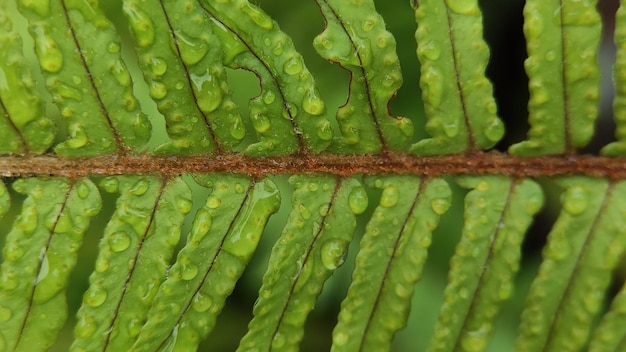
pixel 458 98
pixel 562 110
pixel 619 82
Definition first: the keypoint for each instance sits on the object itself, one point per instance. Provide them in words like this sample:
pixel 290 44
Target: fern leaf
pixel 289 115
pixel 315 239
pixel 610 334
pixel 458 98
pixel 39 254
pixel 182 63
pixel 134 255
pixel 562 109
pixel 619 82
pixel 583 247
pixel 390 260
pixel 486 259
pixel 355 37
pixel 91 86
pixel 223 238
pixel 5 200
pixel 26 129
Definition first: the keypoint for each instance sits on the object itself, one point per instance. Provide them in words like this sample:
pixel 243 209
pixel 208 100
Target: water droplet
pixel 369 23
pixel 95 296
pixel 575 200
pixel 494 130
pixel 119 241
pixel 83 190
pixel 463 7
pixel 5 313
pixel 120 73
pixel 158 90
pixel 357 200
pixel 85 327
pixel 113 47
pixel 201 302
pixel 189 271
pixel 293 66
pixel 201 225
pixel 312 104
pixel 323 210
pixel 323 41
pixel 48 52
pixel 237 129
pixel 324 131
pixel 390 195
pixel 134 327
pixel 340 338
pixel 429 51
pixel 304 211
pixel 102 264
pixel 260 122
pixel 210 93
pixel 451 128
pixel 140 187
pixel 158 66
pixel 257 16
pixel 269 96
pixel 239 188
pixel 192 50
pixel 312 186
pixel 183 204
pixel 432 86
pixel 140 24
pixel 278 47
pixel 333 253
pixel 110 184
pixel 213 202
pixel 440 205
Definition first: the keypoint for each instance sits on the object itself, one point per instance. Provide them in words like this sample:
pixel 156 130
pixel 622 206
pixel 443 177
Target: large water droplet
pixel 440 205
pixel 312 104
pixel 48 52
pixel 293 66
pixel 429 51
pixel 192 50
pixel 269 96
pixel 140 24
pixel 209 92
pixel 260 122
pixel 213 202
pixel 324 131
pixel 257 16
pixel 333 253
pixel 95 296
pixel 201 225
pixel 158 90
pixel 140 187
pixel 189 271
pixel 390 195
pixel 494 130
pixel 575 200
pixel 201 302
pixel 119 241
pixel 158 66
pixel 357 200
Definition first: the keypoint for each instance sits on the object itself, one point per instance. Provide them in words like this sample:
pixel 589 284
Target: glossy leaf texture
pixel 390 261
pixel 79 54
pixel 26 129
pixel 38 256
pixel 498 210
pixel 182 63
pixel 585 245
pixel 563 109
pixel 355 38
pixel 458 97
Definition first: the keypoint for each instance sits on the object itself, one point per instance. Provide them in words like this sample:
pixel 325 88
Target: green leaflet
pixel 585 244
pixel 182 62
pixel 458 98
pixel 563 91
pixel 390 261
pixel 289 115
pixel 619 81
pixel 224 235
pixel 23 127
pixel 610 334
pixel 39 254
pixel 78 51
pixel 5 200
pixel 133 258
pixel 498 212
pixel 355 37
pixel 316 237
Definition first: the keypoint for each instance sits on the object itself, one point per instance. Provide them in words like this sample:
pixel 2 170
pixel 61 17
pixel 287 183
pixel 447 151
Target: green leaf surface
pixel 619 82
pixel 355 38
pixel 5 200
pixel 498 212
pixel 224 235
pixel 564 92
pixel 23 126
pixel 132 262
pixel 288 116
pixel 182 62
pixel 390 261
pixel 610 334
pixel 40 251
pixel 584 246
pixel 458 98
pixel 79 54
pixel 316 238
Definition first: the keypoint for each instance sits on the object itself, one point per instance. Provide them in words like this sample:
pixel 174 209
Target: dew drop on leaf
pixel 158 90
pixel 158 66
pixel 269 97
pixel 140 24
pixel 201 302
pixel 189 271
pixel 119 241
pixel 48 52
pixel 95 296
pixel 575 200
pixel 440 205
pixel 293 66
pixel 357 200
pixel 312 104
pixel 389 198
pixel 192 50
pixel 257 16
pixel 324 131
pixel 463 7
pixel 201 225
